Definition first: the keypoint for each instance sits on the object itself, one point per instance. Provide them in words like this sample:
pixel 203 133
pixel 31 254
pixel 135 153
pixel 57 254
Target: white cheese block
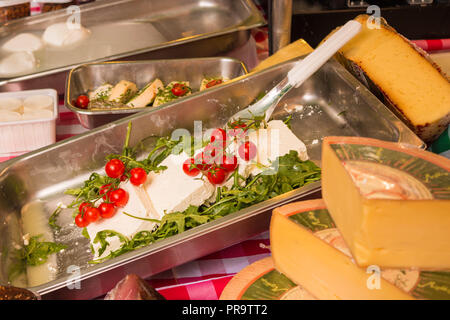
pixel 11 104
pixel 8 116
pixel 138 205
pixel 23 42
pixel 172 190
pixel 64 34
pixel 103 91
pixel 18 62
pixel 38 102
pixel 35 114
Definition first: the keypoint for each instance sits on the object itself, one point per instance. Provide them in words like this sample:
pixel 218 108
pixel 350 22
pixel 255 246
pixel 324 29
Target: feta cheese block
pixel 307 248
pixel 138 205
pixel 172 190
pixel 123 91
pixel 391 202
pixel 8 116
pixel 38 102
pixel 64 34
pixel 413 86
pixel 257 282
pixel 11 104
pixel 147 95
pixel 23 42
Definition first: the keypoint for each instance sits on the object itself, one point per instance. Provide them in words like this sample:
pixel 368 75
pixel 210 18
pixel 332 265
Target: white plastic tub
pixel 26 135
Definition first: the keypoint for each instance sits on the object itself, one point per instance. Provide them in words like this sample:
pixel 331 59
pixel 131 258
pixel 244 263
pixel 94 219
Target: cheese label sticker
pixel 382 173
pixel 420 284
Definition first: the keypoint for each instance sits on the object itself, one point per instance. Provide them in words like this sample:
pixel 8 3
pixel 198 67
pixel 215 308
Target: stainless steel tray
pixel 331 102
pixel 181 29
pixel 88 77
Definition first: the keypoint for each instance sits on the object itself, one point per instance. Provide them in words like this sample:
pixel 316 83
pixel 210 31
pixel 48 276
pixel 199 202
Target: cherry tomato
pixel 229 163
pixel 138 176
pixel 202 161
pixel 82 102
pixel 190 168
pixel 119 197
pixel 107 210
pixel 218 134
pixel 83 206
pixel 123 177
pixel 179 89
pixel 91 214
pixel 213 83
pixel 247 150
pixel 105 190
pixel 115 168
pixel 81 221
pixel 211 151
pixel 216 175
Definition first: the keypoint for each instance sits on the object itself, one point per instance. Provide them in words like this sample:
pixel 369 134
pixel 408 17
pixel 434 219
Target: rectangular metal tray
pixel 183 29
pixel 331 102
pixel 87 77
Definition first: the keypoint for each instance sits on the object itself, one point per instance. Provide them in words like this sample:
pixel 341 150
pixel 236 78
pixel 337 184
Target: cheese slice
pixel 391 202
pixel 324 270
pixel 138 205
pixel 261 281
pixel 411 83
pixel 147 95
pixel 172 190
pixel 309 249
pixel 123 91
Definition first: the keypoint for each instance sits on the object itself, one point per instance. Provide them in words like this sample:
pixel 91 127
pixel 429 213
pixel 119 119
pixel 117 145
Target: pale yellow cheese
pixel 411 83
pixel 324 271
pixel 390 202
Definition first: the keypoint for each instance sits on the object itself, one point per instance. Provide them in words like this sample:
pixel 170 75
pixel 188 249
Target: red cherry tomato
pixel 213 83
pixel 115 168
pixel 119 197
pixel 190 168
pixel 105 190
pixel 179 89
pixel 82 102
pixel 138 176
pixel 229 163
pixel 81 221
pixel 107 210
pixel 216 175
pixel 91 214
pixel 202 161
pixel 218 134
pixel 247 150
pixel 83 206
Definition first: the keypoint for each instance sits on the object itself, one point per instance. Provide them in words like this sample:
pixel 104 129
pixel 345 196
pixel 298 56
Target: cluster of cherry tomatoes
pixel 214 162
pixel 112 196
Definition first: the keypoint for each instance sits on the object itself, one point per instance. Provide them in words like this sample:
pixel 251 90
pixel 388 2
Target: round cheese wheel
pixel 39 102
pixel 33 114
pixel 23 42
pixel 64 34
pixel 11 104
pixel 18 62
pixel 8 116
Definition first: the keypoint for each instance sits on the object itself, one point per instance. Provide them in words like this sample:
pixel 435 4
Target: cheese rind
pixel 323 270
pixel 411 83
pixel 390 202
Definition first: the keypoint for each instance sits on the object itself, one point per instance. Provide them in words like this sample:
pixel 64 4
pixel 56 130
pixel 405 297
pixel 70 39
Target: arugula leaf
pixel 53 217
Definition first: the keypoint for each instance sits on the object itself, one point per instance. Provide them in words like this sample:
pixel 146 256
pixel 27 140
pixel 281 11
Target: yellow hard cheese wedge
pixel 411 83
pixel 308 249
pixel 390 202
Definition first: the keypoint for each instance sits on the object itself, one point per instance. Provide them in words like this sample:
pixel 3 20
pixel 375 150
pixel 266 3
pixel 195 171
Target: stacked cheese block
pixel 30 108
pixel 381 231
pixel 403 75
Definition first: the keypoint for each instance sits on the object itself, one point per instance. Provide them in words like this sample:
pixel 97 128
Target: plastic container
pixel 14 9
pixel 52 5
pixel 22 136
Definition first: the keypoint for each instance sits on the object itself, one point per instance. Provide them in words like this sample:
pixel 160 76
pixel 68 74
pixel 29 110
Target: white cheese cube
pixel 138 205
pixel 172 190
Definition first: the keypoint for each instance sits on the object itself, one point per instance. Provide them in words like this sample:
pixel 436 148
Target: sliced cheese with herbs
pixel 261 281
pixel 390 202
pixel 308 249
pixel 123 91
pixel 147 95
pixel 166 95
